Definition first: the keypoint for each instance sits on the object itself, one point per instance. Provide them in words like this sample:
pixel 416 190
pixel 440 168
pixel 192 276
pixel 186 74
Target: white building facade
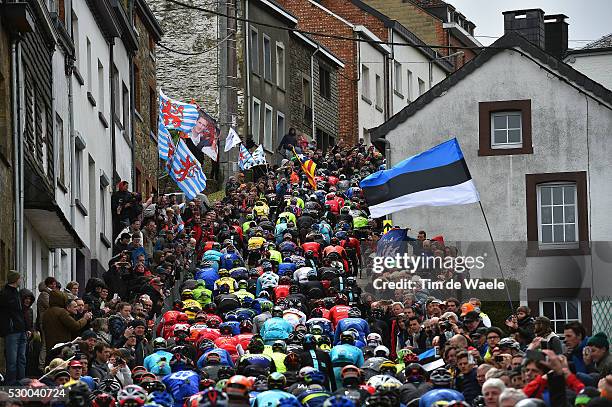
pixel 534 136
pixel 594 60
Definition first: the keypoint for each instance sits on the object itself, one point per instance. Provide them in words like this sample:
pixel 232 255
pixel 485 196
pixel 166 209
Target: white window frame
pixel 267 69
pixel 507 144
pixel 101 86
pixel 280 132
pixel 103 192
pixel 409 85
pixel 78 173
pixel 379 91
pixel 280 68
pixel 255 65
pixel 422 88
pixel 557 245
pixel 397 78
pixel 256 114
pixel 268 127
pixel 89 72
pixel 554 318
pixel 365 81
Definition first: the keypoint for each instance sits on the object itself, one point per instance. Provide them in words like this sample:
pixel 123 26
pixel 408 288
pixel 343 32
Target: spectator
pixel 491 390
pixel 467 382
pixel 13 329
pixel 545 336
pixel 99 366
pixel 597 355
pixel 509 397
pixel 118 323
pixel 58 324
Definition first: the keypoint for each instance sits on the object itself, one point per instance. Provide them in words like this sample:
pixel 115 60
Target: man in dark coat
pixel 13 329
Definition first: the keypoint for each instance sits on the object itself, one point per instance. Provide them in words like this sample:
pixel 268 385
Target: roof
pixel 603 42
pixel 406 34
pixel 278 9
pixel 509 40
pixel 322 50
pixel 149 19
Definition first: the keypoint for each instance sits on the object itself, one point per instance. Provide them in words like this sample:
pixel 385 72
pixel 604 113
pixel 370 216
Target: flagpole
pixel 501 271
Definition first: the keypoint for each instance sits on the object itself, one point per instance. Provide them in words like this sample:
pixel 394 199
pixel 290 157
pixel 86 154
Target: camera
pixel 499 358
pixel 445 326
pixel 119 362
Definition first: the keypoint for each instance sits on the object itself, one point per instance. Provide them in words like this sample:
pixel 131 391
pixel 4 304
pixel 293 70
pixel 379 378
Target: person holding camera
pixel 545 336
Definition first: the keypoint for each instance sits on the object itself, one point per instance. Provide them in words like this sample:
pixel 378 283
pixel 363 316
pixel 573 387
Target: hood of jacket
pixel 25 293
pixel 57 299
pixel 42 287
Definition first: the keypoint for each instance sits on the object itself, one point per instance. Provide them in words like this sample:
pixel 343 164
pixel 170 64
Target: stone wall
pixel 299 68
pixel 7 240
pixel 145 130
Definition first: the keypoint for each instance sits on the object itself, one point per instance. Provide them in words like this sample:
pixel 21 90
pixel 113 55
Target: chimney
pixel 556 35
pixel 528 23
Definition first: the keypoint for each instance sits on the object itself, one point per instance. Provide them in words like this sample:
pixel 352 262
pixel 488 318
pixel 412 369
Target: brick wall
pixel 299 67
pixel 326 110
pixel 7 240
pixel 357 16
pixel 426 26
pixel 146 156
pixel 312 18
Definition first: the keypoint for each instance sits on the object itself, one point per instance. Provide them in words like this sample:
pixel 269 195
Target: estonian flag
pixel 436 177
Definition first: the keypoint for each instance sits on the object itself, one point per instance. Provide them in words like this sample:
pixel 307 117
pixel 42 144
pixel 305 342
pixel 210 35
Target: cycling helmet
pixel 187 294
pixel 350 371
pixel 266 306
pixel 530 403
pixel 225 329
pixel 238 386
pixel 212 398
pixel 159 343
pixel 243 284
pixel 277 312
pixel 103 400
pixel 112 386
pixel 354 312
pixel 341 299
pixel 161 397
pixel 440 377
pixel 132 395
pixel 374 339
pixel 246 326
pixel 223 273
pixel 379 380
pixel 338 401
pixel 279 346
pixel 225 372
pixel 210 308
pixel 508 343
pixel 79 394
pixel 213 323
pixel 314 377
pixel 276 380
pixel 292 361
pixel 388 366
pixel 378 400
pixel 381 351
pixel 152 386
pixel 347 337
pixel 256 345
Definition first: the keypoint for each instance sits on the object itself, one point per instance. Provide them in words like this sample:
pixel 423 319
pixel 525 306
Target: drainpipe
pixel 71 159
pixel 312 89
pixel 16 92
pixel 111 117
pixel 247 33
pixel 132 100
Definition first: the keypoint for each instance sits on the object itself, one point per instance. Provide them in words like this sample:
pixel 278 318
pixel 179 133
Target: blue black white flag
pixel 245 159
pixel 186 171
pixel 259 156
pixel 436 177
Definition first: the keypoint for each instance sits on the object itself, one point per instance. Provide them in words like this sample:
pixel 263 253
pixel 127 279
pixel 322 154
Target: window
pixel 254 51
pixel 379 93
pixel 74 33
pixel 324 140
pixel 138 180
pixel 268 128
pixel 255 119
pixel 422 88
pixel 504 127
pixel 101 86
pixel 153 105
pixel 307 100
pixel 557 214
pixel 280 65
pixel 324 82
pixel 280 125
pixel 103 193
pixel 5 101
pixel 89 77
pixel 125 96
pixel 137 88
pixel 397 85
pixel 560 312
pixel 78 172
pixel 408 85
pixel 267 58
pixel 116 94
pixel 365 83
pixel 43 138
pixel 506 130
pixel 59 130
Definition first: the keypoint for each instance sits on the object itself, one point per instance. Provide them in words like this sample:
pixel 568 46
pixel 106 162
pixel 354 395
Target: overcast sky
pixel 588 19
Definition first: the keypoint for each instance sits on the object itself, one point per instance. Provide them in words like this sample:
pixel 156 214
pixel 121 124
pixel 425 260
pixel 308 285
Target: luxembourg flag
pixel 177 115
pixel 436 177
pixel 186 171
